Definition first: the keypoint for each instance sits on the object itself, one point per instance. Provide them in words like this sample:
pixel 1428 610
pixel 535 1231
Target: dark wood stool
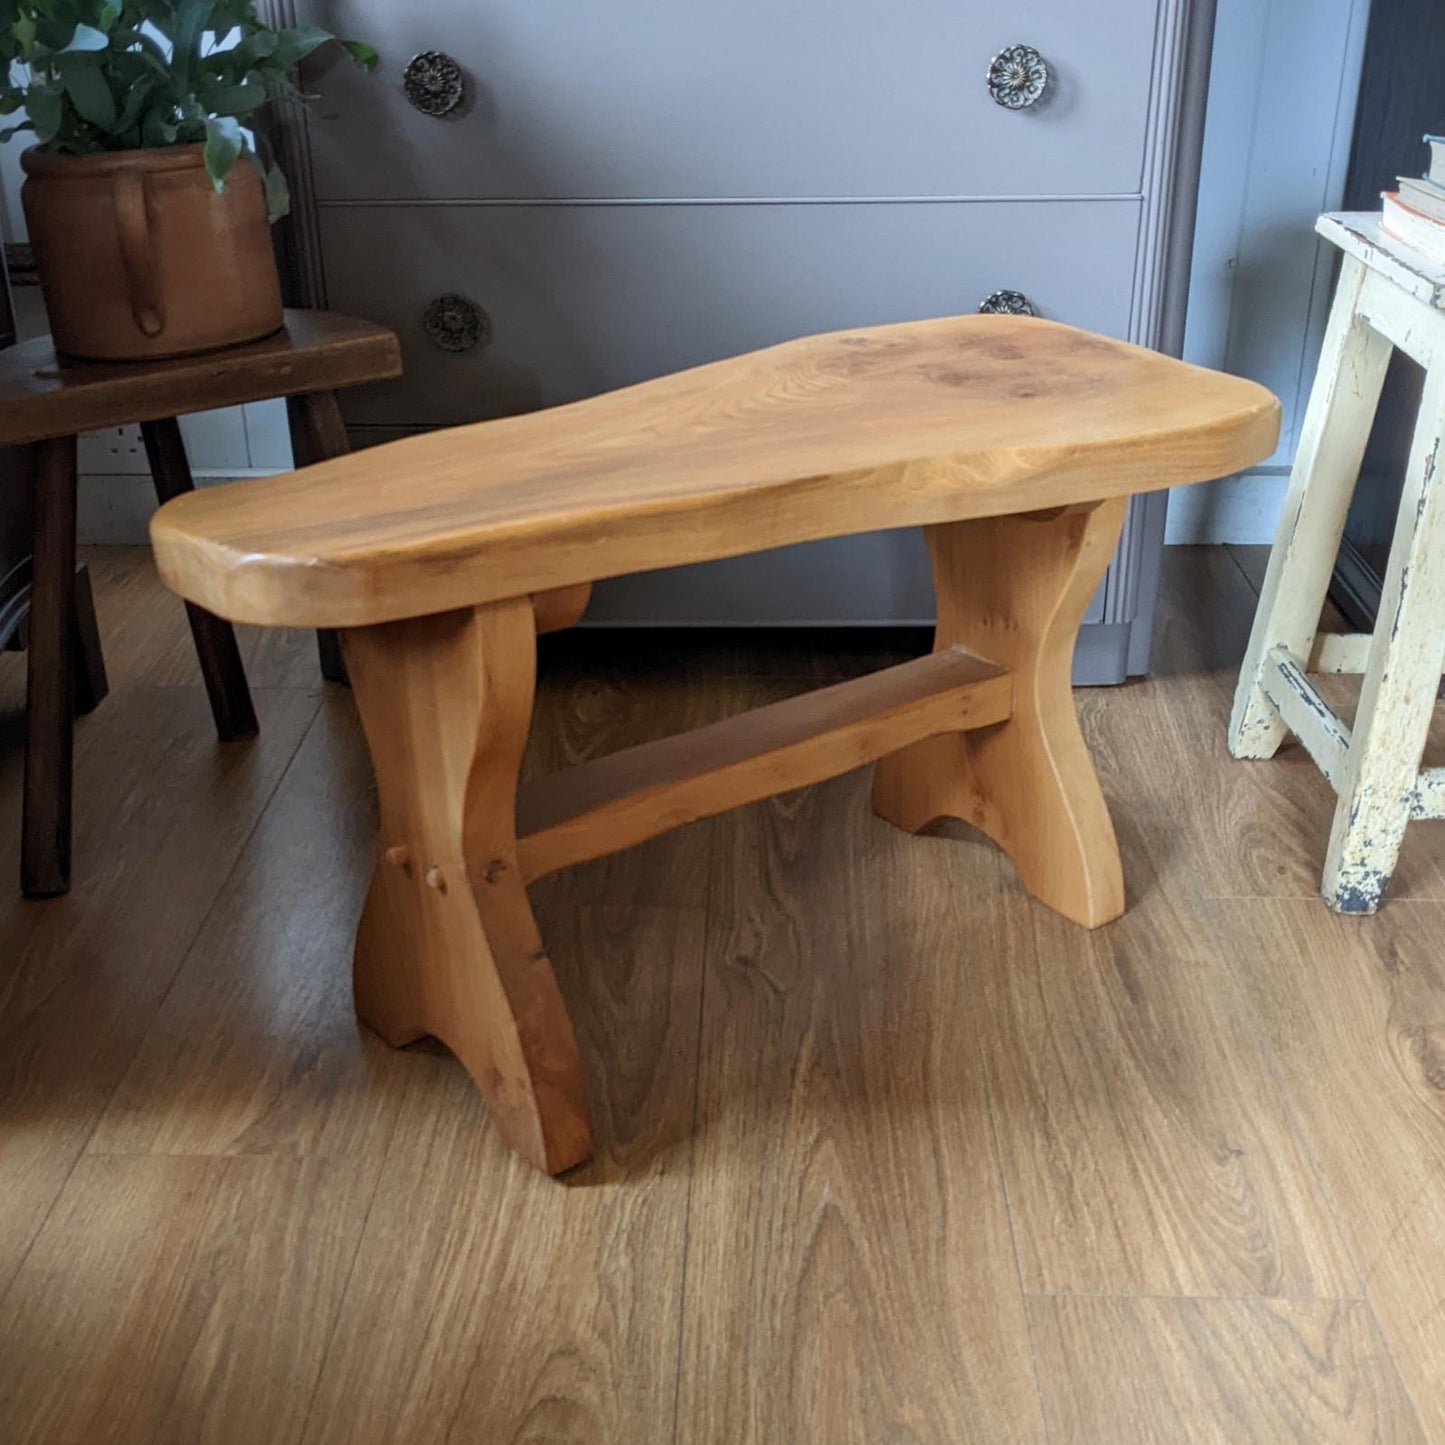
pixel 45 402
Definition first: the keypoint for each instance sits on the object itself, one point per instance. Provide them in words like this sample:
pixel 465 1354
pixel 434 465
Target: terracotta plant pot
pixel 139 255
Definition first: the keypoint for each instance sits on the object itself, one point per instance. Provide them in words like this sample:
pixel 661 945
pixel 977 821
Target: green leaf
pixel 223 147
pixel 188 25
pixel 11 131
pixel 136 97
pixel 85 84
pixel 252 49
pixel 108 75
pixel 158 127
pixel 278 193
pixel 293 46
pixel 364 55
pixel 233 99
pixel 86 37
pixel 44 106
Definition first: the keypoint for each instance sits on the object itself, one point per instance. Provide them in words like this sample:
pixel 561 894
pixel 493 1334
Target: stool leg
pixel 447 944
pixel 220 658
pixel 50 676
pixel 1326 466
pixel 91 682
pixel 1402 679
pixel 318 434
pixel 1015 589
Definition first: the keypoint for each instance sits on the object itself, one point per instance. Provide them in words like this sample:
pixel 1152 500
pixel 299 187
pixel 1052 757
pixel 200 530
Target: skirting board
pixel 1243 509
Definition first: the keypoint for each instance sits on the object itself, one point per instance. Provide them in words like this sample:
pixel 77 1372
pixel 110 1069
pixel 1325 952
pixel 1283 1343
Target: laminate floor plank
pixel 491 1303
pixel 1256 829
pixel 854 1094
pixel 179 1300
pixel 1354 1011
pixel 850 1271
pixel 1253 561
pixel 162 813
pixel 256 1048
pixel 1218 1372
pixel 145 638
pixel 1144 1141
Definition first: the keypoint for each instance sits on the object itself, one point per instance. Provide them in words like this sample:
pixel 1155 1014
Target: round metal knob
pixel 433 82
pixel 456 323
pixel 1007 303
pixel 1017 77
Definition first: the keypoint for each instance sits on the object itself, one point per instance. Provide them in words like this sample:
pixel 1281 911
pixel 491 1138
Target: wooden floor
pixel 887 1152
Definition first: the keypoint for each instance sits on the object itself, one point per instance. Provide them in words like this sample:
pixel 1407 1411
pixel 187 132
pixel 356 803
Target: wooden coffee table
pixel 1014 442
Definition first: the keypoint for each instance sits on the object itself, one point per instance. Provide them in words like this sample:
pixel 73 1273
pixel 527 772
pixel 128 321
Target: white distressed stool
pixel 1388 296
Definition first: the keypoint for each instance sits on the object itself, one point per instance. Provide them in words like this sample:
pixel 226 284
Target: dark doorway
pixel 1402 97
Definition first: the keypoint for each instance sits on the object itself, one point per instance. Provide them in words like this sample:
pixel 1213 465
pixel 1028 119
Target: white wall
pixel 1276 148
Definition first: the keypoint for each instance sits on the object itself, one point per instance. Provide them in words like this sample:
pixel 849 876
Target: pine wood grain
pixel 917 423
pixel 447 944
pixel 1015 589
pixel 850 1271
pixel 639 792
pixel 1218 1372
pixel 613 692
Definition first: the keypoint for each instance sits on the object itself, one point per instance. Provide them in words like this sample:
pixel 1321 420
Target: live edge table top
pixel 857 431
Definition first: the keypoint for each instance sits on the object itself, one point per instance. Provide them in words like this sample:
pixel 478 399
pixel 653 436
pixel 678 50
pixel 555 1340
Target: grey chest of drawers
pixel 550 200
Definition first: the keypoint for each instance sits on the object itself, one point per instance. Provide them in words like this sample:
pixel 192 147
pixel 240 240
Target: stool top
pixel 858 431
pixel 1359 234
pixel 42 395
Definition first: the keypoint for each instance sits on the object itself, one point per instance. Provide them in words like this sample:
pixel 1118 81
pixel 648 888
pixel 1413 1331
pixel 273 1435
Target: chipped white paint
pixel 1387 296
pixel 1326 466
pixel 1358 234
pixel 1417 330
pixel 1429 799
pixel 1306 714
pixel 1340 652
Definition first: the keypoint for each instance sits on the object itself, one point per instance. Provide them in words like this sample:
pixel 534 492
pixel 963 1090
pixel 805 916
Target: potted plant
pixel 148 195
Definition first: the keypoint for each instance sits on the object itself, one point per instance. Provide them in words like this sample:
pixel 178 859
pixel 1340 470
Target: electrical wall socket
pixel 115 451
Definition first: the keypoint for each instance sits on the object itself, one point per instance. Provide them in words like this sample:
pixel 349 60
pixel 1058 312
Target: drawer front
pixel 582 299
pixel 677 98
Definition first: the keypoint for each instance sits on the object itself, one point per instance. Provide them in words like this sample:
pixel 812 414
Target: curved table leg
pixel 447 944
pixel 1015 589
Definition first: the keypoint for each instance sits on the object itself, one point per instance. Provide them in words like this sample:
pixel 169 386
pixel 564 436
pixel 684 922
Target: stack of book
pixel 1415 214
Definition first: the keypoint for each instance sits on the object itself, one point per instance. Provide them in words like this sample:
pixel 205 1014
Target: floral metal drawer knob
pixel 1007 303
pixel 456 323
pixel 1017 77
pixel 433 82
